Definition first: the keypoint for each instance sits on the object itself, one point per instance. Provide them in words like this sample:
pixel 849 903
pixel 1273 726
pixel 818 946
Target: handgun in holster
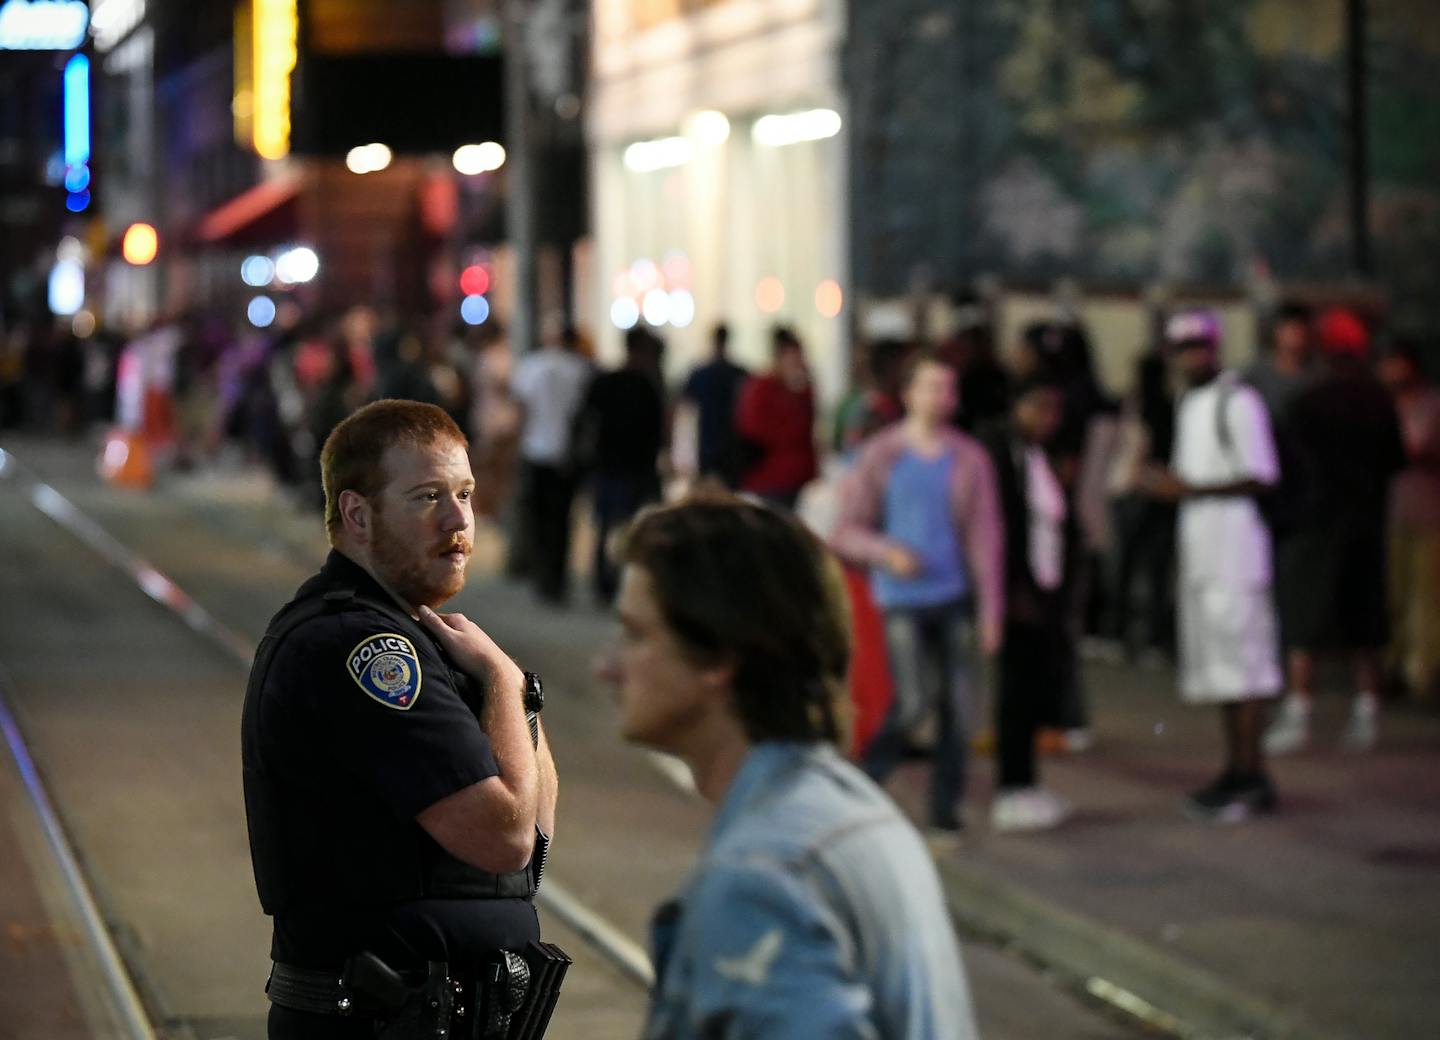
pixel 511 997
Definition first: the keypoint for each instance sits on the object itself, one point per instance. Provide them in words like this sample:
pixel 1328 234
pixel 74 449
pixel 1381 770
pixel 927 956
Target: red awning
pixel 263 215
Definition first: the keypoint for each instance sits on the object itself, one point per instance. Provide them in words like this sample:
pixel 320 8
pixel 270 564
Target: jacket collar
pixel 759 777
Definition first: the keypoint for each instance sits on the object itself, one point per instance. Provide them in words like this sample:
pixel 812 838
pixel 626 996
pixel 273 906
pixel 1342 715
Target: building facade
pixel 717 149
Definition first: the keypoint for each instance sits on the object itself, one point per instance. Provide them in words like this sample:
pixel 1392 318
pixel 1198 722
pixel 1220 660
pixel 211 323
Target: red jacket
pixel 780 422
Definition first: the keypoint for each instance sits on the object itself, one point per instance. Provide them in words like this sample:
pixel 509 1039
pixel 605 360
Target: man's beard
pixel 1196 378
pixel 406 569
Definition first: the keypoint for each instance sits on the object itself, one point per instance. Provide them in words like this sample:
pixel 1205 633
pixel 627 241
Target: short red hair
pixel 351 458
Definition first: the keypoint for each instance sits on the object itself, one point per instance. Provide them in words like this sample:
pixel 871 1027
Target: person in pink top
pixel 776 417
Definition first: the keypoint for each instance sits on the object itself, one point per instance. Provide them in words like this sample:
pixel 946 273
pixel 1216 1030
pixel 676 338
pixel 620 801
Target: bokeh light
pixel 624 313
pixel 769 294
pixel 829 298
pixel 475 310
pixel 140 244
pixel 474 280
pixel 682 308
pixel 261 312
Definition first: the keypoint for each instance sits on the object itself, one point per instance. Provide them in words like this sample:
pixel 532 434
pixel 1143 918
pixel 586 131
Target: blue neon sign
pixel 77 111
pixel 77 133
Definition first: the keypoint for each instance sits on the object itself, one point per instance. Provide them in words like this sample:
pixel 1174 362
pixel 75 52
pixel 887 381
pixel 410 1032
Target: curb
pixel 1146 984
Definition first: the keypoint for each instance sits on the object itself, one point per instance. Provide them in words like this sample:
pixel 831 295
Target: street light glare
pixel 472 159
pixel 297 265
pixel 368 158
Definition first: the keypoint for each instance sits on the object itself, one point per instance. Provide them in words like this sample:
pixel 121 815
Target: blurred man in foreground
pixel 815 910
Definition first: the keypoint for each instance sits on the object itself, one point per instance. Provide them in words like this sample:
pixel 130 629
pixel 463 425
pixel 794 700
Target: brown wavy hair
pixel 747 584
pixel 350 460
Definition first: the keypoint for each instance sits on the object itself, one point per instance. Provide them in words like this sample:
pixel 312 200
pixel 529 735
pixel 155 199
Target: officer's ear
pixel 356 516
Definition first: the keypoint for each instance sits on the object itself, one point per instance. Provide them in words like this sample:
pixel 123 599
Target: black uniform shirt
pixel 364 722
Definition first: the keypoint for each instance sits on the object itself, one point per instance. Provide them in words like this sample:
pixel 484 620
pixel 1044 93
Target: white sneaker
pixel 1290 729
pixel 1027 809
pixel 1364 727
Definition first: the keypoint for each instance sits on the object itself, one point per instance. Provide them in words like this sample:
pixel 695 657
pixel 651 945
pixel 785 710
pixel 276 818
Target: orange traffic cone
pixel 125 461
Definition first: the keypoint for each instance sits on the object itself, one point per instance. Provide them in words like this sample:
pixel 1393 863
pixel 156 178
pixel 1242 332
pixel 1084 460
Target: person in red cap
pixel 1345 438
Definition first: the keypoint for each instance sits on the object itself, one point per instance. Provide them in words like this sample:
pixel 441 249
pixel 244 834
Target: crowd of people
pixel 989 503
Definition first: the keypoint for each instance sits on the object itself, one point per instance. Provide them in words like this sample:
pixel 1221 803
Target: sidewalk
pixel 1316 923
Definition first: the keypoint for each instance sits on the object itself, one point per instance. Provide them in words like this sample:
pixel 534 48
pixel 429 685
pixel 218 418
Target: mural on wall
pixel 1123 142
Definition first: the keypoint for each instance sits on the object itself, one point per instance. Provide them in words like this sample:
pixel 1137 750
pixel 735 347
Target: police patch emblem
pixel 387 668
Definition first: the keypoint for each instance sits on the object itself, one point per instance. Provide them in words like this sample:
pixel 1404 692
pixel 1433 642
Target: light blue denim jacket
pixel 815 913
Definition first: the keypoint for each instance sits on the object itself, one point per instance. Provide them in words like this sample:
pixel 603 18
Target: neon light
pixel 275 28
pixel 77 111
pixel 77 201
pixel 45 25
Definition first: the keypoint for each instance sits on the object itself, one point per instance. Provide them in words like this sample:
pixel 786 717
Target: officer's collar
pixel 342 571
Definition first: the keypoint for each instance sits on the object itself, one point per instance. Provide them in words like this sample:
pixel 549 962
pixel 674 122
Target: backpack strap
pixel 1223 434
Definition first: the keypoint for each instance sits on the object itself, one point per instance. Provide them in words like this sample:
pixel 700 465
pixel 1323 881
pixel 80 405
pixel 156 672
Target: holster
pixel 511 997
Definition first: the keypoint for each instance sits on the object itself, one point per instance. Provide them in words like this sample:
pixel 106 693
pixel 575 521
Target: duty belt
pixel 511 997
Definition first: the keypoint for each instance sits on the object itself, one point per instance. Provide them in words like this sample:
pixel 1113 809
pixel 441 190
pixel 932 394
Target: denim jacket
pixel 814 913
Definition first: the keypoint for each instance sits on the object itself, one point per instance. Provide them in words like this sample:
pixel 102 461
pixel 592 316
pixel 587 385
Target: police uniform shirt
pixel 365 722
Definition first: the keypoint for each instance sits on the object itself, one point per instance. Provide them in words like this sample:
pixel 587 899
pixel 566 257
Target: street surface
pixel 1317 923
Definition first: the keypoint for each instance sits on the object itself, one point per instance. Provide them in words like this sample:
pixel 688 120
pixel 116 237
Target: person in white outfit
pixel 1224 460
pixel 549 384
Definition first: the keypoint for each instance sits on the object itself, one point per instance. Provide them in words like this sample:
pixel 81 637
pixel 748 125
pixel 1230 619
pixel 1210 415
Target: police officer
pixel 399 804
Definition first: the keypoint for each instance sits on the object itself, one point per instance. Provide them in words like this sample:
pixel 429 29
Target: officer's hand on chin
pixel 472 649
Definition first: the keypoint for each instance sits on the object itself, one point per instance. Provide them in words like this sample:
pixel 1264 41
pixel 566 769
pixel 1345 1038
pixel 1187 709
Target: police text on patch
pixel 387 668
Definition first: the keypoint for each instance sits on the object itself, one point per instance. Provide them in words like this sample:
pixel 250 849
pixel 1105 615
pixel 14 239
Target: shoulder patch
pixel 387 668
